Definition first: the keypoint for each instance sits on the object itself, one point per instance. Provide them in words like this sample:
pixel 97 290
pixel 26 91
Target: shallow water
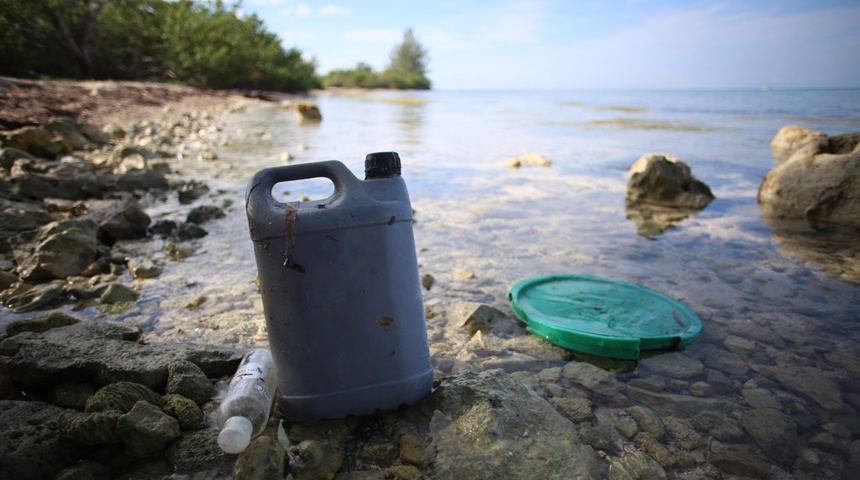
pixel 481 226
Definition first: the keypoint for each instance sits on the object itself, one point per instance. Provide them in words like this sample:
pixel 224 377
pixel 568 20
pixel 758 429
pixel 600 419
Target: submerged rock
pixel 816 179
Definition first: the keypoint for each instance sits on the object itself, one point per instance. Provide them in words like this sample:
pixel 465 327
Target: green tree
pixel 407 67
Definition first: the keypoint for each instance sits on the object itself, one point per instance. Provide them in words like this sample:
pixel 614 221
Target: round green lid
pixel 601 316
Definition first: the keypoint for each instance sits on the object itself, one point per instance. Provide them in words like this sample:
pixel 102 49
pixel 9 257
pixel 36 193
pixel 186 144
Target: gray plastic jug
pixel 341 293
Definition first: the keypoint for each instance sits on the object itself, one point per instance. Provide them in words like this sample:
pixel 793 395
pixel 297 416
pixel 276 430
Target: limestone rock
pixel 26 297
pixel 738 460
pixel 415 451
pixel 184 410
pixel 145 430
pixel 529 158
pixel 487 425
pixel 121 396
pixel 60 249
pixel 198 450
pixel 473 317
pixel 118 220
pixel 262 460
pixel 774 432
pixel 205 213
pixel 117 293
pixel 315 459
pixel 187 379
pixel 89 428
pixel 307 112
pixel 35 140
pixel 41 324
pixel 816 179
pixel 635 466
pixel 822 387
pixel 138 179
pixel 663 179
pixel 70 179
pixel 31 445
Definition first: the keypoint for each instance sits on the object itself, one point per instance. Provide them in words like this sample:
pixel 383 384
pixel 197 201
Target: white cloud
pixel 373 35
pixel 302 10
pixel 334 10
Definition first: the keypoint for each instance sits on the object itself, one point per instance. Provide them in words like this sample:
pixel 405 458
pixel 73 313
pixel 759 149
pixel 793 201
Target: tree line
pixel 407 69
pixel 203 43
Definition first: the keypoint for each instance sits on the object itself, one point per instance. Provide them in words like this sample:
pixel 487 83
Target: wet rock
pixel 307 112
pixel 575 409
pixel 23 297
pixel 93 428
pixel 592 377
pixel 117 293
pixel 86 470
pixel 184 410
pixel 663 179
pixel 264 459
pixel 118 219
pixel 818 182
pixel 7 279
pixel 121 396
pixel 31 445
pixel 738 460
pixel 626 426
pixel 105 353
pixel 720 426
pixel 380 454
pixel 197 451
pixel 826 442
pixel 60 249
pixel 67 131
pixel 71 395
pixel 635 466
pixel 484 424
pixel 529 158
pixel 141 180
pixel 315 459
pixel 725 361
pixel 473 317
pixel 759 398
pixel 655 449
pixel 9 155
pixel 404 472
pixel 17 217
pixel 648 420
pixel 774 432
pixel 191 191
pixel 811 382
pixel 93 133
pixel 187 379
pixel 677 404
pixel 190 231
pixel 41 324
pixel 143 268
pixel 205 213
pixel 415 451
pixel 673 365
pixel 145 430
pixel 682 432
pixel 427 281
pixel 162 227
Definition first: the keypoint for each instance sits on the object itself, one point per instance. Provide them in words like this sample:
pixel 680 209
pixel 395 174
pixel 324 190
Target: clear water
pixel 481 225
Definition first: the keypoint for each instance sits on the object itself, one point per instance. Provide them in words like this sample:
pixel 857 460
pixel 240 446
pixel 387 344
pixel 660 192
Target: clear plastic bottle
pixel 244 412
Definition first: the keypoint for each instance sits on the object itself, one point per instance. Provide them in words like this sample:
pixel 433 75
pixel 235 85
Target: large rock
pixel 661 179
pixel 38 141
pixel 104 353
pixel 774 432
pixel 487 425
pixel 31 446
pixel 71 179
pixel 816 179
pixel 118 220
pixel 60 249
pixel 146 430
pixel 17 217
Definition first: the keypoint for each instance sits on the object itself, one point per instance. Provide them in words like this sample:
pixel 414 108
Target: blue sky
pixel 556 44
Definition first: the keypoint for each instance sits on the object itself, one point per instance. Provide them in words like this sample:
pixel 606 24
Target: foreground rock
pixel 816 178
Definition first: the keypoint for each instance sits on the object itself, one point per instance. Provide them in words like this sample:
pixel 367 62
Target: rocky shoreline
pixel 93 399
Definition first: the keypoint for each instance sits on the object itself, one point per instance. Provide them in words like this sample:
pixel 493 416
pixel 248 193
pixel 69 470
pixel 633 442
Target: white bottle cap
pixel 235 435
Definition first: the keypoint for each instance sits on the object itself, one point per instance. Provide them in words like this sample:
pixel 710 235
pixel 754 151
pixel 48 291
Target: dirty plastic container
pixel 341 292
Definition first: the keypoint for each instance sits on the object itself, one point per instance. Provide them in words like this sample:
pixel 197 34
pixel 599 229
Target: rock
pixel 141 268
pixel 725 361
pixel 415 451
pixel 198 450
pixel 648 420
pixel 473 317
pixel 635 466
pixel 673 365
pixel 89 428
pixel 575 409
pixel 488 425
pixel 404 472
pixel 205 213
pixel 86 470
pixel 811 382
pixel 264 459
pixel 41 324
pixel 117 293
pixel 105 353
pixel 67 131
pixel 592 377
pixel 655 449
pixel 7 279
pixel 682 432
pixel 187 379
pixel 25 297
pixel 145 430
pixel 626 426
pixel 71 179
pixel 118 220
pixel 315 459
pixel 59 250
pixel 71 395
pixel 17 217
pixel 759 398
pixel 184 410
pixel 677 404
pixel 141 180
pixel 35 140
pixel 190 231
pixel 774 432
pixel 93 133
pixel 427 281
pixel 818 182
pixel 31 446
pixel 381 454
pixel 663 179
pixel 720 426
pixel 307 112
pixel 121 396
pixel 9 155
pixel 738 460
pixel 529 158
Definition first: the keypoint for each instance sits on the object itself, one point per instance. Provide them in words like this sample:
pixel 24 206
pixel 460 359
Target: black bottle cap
pixel 381 165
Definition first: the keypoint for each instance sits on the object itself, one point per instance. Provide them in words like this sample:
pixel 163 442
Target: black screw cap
pixel 381 165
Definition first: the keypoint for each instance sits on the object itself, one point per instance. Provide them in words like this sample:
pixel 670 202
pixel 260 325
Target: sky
pixel 558 44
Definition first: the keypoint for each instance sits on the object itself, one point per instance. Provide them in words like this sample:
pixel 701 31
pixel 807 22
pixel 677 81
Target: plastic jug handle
pixel 260 204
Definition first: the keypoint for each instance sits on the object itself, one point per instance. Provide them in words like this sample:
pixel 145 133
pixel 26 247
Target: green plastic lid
pixel 601 316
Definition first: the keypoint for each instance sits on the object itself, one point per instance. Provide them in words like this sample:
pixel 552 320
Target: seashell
pixel 121 396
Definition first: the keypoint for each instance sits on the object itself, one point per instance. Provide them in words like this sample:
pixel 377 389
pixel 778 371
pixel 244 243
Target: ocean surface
pixel 481 226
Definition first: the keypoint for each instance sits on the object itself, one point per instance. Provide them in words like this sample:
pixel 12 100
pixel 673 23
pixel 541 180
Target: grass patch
pixel 645 124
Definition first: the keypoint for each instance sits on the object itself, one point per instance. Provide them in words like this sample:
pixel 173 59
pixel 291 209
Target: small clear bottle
pixel 245 409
